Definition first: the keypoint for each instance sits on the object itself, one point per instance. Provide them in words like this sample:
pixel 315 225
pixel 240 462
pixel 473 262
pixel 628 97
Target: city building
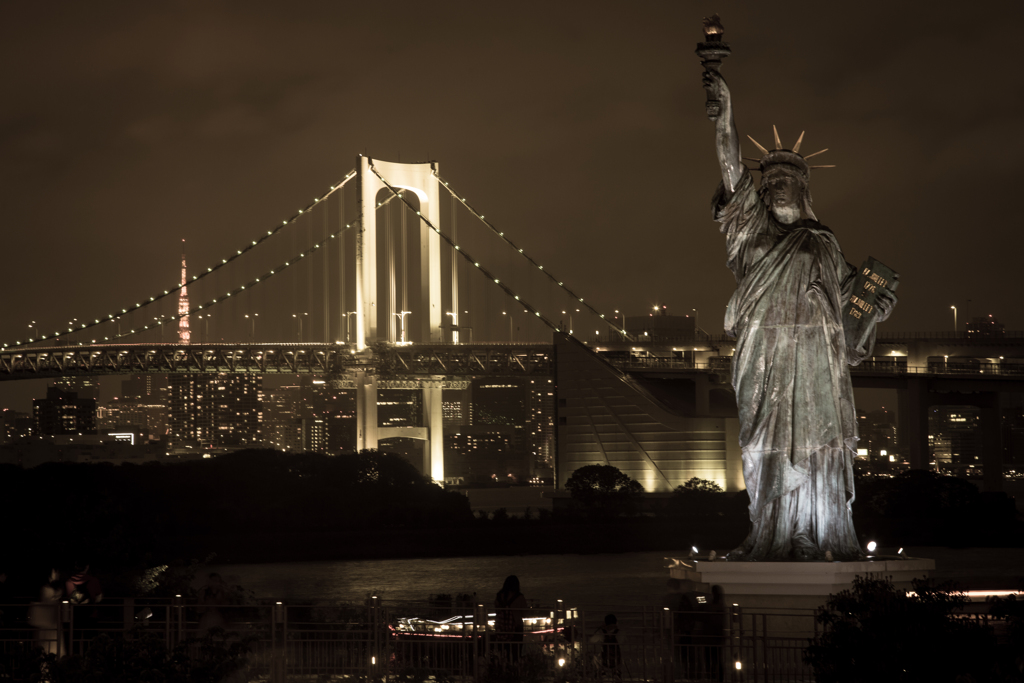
pixel 985 326
pixel 956 439
pixel 540 427
pixel 402 408
pixel 14 425
pixel 85 386
pixel 147 420
pixel 281 428
pixel 215 410
pixel 63 412
pixel 481 454
pixel 877 449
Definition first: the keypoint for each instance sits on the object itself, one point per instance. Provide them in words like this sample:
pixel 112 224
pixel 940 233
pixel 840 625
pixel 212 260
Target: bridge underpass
pixel 698 373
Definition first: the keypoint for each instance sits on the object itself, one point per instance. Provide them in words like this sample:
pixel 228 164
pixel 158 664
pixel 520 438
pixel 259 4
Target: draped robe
pixel 798 428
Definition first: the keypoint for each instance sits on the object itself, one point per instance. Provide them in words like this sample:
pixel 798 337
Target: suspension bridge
pixel 389 279
pixel 392 279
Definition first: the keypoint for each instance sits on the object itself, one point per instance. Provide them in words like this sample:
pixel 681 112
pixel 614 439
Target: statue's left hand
pixel 885 301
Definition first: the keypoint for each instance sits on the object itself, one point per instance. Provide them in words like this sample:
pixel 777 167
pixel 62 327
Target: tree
pixel 604 490
pixel 696 484
pixel 875 632
pixel 923 508
pixel 696 498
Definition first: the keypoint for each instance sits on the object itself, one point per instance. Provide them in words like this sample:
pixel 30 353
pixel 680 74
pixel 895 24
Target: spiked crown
pixel 788 161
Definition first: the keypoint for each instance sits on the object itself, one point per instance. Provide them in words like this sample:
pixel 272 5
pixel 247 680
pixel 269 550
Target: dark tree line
pixel 912 508
pixel 68 513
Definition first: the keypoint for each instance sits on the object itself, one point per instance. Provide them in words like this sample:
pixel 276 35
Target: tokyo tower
pixel 184 335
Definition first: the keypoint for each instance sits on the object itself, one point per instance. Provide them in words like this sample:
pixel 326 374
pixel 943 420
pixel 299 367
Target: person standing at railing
pixel 84 591
pixel 212 597
pixel 44 616
pixel 608 637
pixel 715 622
pixel 5 598
pixel 510 605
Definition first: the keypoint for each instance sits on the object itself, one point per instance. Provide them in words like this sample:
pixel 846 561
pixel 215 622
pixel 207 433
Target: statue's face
pixel 784 195
pixel 784 191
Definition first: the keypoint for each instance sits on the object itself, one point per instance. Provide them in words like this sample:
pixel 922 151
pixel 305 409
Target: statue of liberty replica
pixel 801 316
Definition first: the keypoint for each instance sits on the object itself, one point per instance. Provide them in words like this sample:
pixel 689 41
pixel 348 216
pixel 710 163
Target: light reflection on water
pixel 609 580
pixel 624 579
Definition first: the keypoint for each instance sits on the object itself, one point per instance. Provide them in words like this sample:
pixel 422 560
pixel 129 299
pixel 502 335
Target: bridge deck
pixel 284 358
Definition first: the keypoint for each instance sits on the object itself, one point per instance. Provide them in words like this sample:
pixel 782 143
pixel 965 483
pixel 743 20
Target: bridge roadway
pixel 896 355
pixel 384 360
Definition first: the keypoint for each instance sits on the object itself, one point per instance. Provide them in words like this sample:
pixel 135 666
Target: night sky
pixel 578 128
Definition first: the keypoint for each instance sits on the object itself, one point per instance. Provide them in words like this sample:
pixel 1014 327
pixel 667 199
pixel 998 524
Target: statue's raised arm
pixel 727 142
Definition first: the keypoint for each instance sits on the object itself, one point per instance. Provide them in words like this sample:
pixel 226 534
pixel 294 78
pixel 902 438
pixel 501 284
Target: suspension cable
pixel 511 244
pixel 196 278
pixel 263 278
pixel 467 257
pixel 508 290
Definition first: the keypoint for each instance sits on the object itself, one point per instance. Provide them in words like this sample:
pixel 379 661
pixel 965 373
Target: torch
pixel 711 52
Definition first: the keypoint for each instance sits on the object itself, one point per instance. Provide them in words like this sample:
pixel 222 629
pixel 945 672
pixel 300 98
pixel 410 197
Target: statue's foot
pixel 738 555
pixel 806 553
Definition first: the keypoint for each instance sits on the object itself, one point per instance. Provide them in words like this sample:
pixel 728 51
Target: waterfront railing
pixel 389 641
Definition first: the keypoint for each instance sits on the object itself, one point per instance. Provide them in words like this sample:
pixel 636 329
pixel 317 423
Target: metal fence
pixel 459 642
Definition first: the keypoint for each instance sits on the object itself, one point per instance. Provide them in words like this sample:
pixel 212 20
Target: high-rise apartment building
pixel 956 439
pixel 540 427
pixel 283 412
pixel 215 409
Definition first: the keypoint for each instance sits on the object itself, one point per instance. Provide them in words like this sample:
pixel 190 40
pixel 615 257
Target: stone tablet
pixel 862 311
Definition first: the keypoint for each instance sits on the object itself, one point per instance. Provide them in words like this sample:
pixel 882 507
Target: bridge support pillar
pixel 992 444
pixel 433 420
pixel 366 410
pixel 912 401
pixel 702 394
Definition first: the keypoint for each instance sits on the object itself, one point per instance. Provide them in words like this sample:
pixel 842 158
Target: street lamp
pixel 401 316
pixel 570 318
pixel 298 316
pixel 206 327
pixel 696 322
pixel 511 338
pixel 253 317
pixel 954 319
pixel 30 326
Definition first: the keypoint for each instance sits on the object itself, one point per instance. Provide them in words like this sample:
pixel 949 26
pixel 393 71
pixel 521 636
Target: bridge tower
pixel 420 179
pixel 425 325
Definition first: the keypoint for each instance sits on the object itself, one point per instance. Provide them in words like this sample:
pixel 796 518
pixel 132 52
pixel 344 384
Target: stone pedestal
pixel 793 585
